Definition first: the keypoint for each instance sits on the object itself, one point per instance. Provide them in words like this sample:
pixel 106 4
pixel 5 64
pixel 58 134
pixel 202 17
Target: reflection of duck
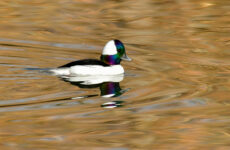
pixel 112 104
pixel 109 85
pixel 109 64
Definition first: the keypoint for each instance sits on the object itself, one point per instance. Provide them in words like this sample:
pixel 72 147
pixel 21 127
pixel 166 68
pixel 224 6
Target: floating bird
pixel 109 64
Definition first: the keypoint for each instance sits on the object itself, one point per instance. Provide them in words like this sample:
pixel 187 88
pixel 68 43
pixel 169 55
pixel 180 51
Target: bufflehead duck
pixel 109 64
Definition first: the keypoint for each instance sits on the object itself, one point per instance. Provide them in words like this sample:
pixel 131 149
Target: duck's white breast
pixel 96 70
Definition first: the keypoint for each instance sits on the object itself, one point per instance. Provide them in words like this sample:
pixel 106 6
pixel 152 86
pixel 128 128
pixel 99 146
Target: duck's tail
pixel 53 71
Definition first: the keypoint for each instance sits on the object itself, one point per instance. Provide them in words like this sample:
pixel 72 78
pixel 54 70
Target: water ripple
pixel 52 44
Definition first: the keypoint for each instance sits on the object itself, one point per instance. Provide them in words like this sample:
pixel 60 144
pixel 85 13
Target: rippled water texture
pixel 174 95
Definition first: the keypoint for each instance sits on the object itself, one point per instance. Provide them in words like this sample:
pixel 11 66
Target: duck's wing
pixel 85 62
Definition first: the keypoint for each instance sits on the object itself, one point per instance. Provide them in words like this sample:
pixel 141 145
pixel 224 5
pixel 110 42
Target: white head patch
pixel 110 48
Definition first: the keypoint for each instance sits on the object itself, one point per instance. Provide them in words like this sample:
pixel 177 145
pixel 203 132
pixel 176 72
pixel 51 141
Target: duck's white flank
pixel 89 70
pixel 110 48
pixel 88 80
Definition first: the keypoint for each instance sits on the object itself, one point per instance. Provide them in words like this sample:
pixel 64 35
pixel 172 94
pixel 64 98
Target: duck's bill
pixel 125 57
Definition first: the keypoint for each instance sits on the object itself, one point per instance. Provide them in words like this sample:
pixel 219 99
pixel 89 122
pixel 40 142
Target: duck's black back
pixel 85 62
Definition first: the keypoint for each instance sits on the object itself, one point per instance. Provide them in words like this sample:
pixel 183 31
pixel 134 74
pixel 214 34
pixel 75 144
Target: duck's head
pixel 114 52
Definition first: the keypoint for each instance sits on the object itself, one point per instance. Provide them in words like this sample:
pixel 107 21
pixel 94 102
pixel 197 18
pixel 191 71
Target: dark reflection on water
pixel 108 89
pixel 105 84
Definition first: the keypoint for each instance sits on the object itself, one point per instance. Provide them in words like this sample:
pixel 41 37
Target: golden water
pixel 177 86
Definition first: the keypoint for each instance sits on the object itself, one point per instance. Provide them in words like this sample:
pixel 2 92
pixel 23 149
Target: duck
pixel 109 64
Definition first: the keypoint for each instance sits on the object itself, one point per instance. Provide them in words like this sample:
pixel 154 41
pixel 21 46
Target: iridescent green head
pixel 114 52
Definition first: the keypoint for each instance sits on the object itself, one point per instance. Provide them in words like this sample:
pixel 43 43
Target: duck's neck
pixel 111 59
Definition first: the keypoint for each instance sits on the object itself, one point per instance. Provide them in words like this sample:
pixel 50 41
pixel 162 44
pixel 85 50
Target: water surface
pixel 174 95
